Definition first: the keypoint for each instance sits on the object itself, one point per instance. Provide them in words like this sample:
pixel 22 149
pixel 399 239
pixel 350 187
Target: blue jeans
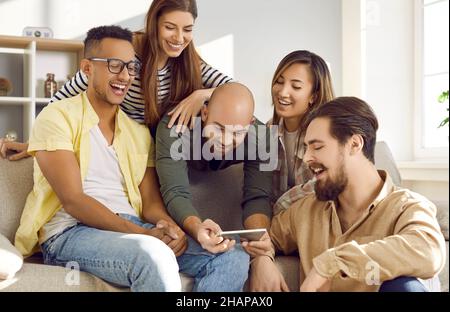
pixel 403 284
pixel 145 263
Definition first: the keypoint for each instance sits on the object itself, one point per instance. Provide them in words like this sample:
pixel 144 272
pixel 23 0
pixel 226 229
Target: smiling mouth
pixel 317 170
pixel 284 103
pixel 118 88
pixel 175 45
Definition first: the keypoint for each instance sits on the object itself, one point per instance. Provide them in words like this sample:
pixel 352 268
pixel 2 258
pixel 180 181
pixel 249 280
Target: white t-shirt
pixel 104 182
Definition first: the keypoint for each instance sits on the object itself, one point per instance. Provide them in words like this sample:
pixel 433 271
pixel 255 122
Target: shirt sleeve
pixel 258 174
pixel 212 78
pixel 417 248
pixel 51 132
pixel 292 195
pixel 173 176
pixel 151 154
pixel 77 85
pixel 282 231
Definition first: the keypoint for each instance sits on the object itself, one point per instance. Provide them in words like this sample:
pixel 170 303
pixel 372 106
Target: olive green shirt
pixel 174 180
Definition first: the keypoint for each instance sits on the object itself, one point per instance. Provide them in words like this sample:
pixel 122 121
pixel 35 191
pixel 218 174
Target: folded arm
pixel 416 249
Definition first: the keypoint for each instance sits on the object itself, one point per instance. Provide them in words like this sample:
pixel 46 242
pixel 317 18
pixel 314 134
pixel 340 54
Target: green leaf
pixel 443 97
pixel 443 123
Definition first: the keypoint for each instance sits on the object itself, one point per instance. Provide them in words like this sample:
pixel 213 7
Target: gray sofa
pixel 216 195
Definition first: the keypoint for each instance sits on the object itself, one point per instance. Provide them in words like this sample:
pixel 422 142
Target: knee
pixel 403 284
pixel 238 259
pixel 156 263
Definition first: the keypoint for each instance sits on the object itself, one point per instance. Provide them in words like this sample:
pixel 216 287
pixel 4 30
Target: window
pixel 432 53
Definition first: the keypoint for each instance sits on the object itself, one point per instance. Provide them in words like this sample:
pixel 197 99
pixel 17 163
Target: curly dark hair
pixel 97 34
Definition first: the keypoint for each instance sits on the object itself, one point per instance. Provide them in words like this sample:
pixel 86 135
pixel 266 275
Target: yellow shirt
pixel 65 125
pixel 398 235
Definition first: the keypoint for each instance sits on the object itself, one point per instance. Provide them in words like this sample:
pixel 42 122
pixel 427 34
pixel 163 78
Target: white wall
pixel 390 72
pixel 67 18
pixel 264 31
pixel 389 88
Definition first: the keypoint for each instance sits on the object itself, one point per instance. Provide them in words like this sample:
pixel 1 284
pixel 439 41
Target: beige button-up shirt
pixel 398 235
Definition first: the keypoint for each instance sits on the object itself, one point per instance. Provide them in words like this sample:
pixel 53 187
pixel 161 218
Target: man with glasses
pixel 95 200
pixel 225 135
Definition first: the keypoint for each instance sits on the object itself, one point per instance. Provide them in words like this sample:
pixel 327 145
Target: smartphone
pixel 250 235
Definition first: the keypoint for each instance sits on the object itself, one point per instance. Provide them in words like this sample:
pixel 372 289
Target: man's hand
pixel 171 235
pixel 258 248
pixel 315 282
pixel 265 276
pixel 6 147
pixel 207 236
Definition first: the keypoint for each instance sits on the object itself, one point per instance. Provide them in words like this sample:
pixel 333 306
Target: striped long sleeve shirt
pixel 133 104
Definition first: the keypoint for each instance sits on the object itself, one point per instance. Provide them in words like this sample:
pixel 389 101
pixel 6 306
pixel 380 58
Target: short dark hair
pixel 97 34
pixel 349 116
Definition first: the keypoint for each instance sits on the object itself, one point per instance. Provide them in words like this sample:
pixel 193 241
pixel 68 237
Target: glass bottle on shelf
pixel 50 85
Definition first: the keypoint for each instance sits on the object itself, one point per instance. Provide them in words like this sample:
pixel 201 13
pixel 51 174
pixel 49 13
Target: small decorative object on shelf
pixel 11 136
pixel 38 32
pixel 50 85
pixel 5 86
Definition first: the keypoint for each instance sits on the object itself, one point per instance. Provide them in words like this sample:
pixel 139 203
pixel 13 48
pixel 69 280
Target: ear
pixel 312 99
pixel 204 113
pixel 356 144
pixel 86 67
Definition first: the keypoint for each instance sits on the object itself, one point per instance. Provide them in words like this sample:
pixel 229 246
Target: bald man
pixel 225 135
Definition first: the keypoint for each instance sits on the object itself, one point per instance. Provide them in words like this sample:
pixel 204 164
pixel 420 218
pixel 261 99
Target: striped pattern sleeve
pixel 212 78
pixel 73 87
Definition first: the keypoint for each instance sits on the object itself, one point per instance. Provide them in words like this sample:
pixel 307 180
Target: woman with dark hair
pixel 173 79
pixel 301 83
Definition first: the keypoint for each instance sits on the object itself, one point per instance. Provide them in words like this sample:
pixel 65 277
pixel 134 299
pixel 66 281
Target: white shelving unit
pixel 38 57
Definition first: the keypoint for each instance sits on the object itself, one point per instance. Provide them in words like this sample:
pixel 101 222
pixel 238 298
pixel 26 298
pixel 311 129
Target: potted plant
pixel 442 99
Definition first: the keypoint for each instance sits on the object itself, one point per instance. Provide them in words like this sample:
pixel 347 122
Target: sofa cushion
pixel 41 277
pixel 10 259
pixel 16 182
pixel 443 275
pixel 442 216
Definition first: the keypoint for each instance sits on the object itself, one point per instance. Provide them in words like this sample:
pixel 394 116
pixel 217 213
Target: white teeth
pixel 317 170
pixel 122 87
pixel 283 102
pixel 175 45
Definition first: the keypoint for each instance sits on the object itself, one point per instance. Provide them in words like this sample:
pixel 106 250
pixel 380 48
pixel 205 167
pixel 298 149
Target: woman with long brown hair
pixel 301 83
pixel 173 79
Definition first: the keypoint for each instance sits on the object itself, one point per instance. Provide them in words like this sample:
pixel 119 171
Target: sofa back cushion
pixel 16 182
pixel 385 161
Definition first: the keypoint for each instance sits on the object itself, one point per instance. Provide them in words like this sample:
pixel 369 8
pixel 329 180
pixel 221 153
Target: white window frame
pixel 420 152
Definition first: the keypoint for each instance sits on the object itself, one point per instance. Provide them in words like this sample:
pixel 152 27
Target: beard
pixel 330 189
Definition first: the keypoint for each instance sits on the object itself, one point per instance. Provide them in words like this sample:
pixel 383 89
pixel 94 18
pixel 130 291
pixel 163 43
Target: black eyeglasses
pixel 115 66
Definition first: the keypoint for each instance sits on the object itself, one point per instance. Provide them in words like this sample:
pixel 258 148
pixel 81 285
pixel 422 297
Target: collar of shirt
pixel 388 188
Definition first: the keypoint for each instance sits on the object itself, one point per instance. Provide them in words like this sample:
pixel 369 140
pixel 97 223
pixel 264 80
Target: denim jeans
pixel 403 284
pixel 145 263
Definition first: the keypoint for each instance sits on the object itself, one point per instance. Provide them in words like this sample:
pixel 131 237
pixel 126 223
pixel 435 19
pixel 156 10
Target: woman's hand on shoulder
pixel 189 108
